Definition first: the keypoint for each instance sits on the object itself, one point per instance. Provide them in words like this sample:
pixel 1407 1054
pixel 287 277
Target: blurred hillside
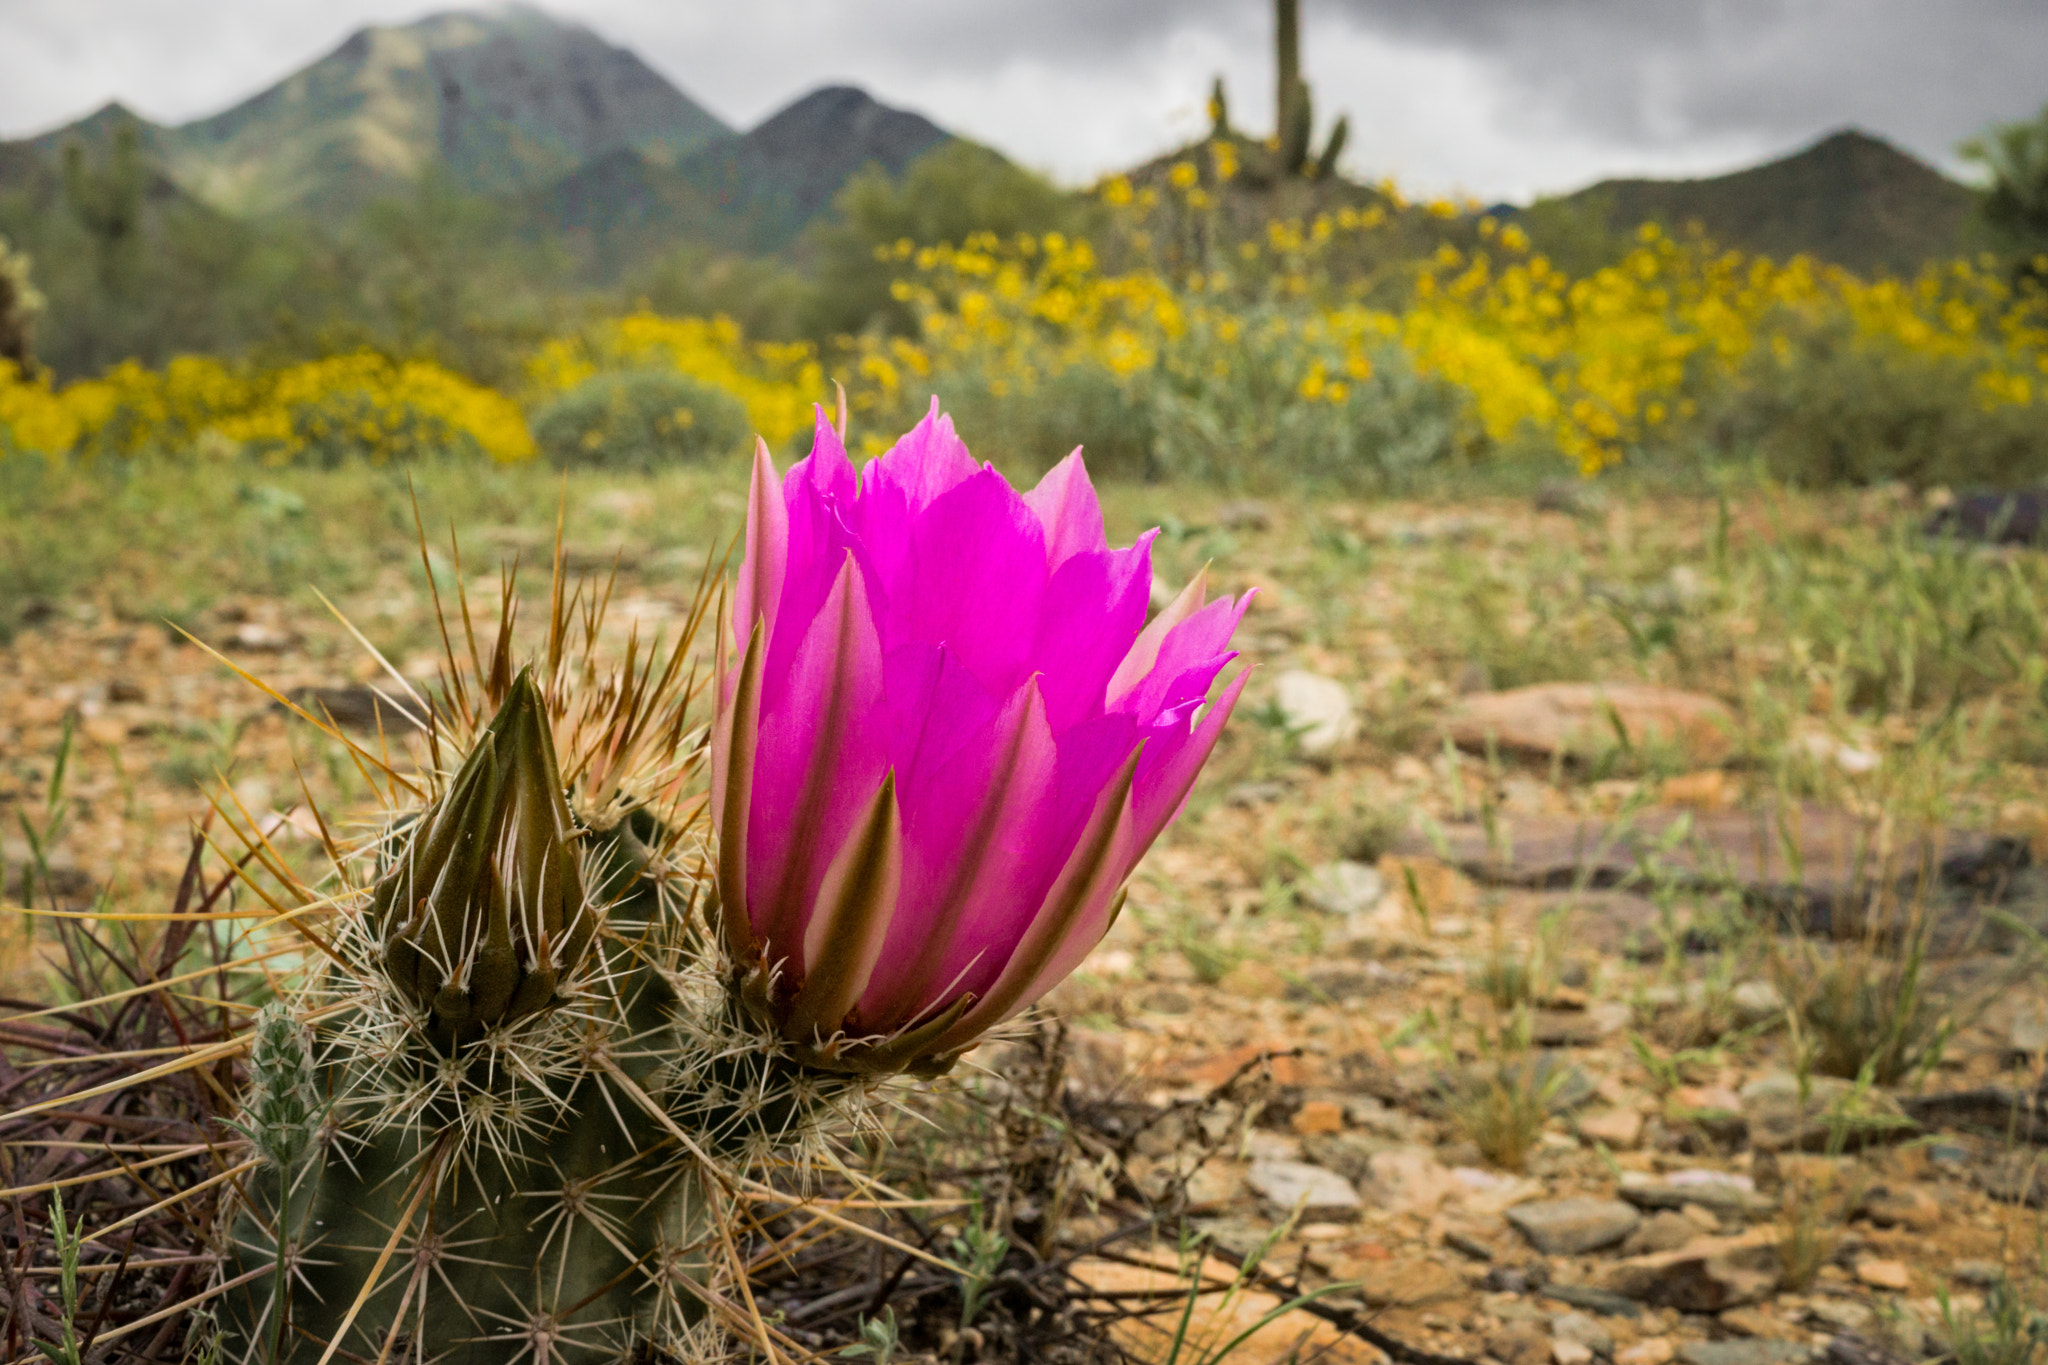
pixel 1850 199
pixel 458 187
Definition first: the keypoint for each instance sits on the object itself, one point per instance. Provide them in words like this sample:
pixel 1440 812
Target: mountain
pixel 1851 198
pixel 753 193
pixel 503 100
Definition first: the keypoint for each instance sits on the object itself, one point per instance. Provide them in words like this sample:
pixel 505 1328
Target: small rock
pixel 1755 1001
pixel 1322 1195
pixel 258 638
pixel 1584 1330
pixel 1572 1227
pixel 1977 1274
pixel 1317 1118
pixel 1401 1282
pixel 1592 1300
pixel 1704 1276
pixel 1722 1191
pixel 1744 1352
pixel 1342 888
pixel 1902 1206
pixel 1648 1351
pixel 1408 1180
pixel 1578 720
pixel 1466 1244
pixel 1570 1352
pixel 1779 1119
pixel 1842 1315
pixel 1663 1231
pixel 1620 1129
pixel 1883 1274
pixel 2028 1035
pixel 1317 709
pixel 1755 1322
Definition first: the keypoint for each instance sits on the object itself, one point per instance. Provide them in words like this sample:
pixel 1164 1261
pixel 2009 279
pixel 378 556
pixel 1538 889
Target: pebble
pixel 1570 1353
pixel 1648 1351
pixel 1883 1274
pixel 1620 1129
pixel 1322 1195
pixel 1585 1330
pixel 1317 709
pixel 1572 1227
pixel 1342 887
pixel 1318 1117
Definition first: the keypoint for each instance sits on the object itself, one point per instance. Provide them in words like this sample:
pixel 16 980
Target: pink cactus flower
pixel 945 735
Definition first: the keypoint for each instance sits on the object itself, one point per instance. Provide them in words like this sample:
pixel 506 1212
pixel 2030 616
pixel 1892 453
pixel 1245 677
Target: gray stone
pixel 1317 709
pixel 1342 887
pixel 1753 1351
pixel 1572 1227
pixel 2029 1033
pixel 1705 1276
pixel 1585 1330
pixel 1780 1118
pixel 1977 1274
pixel 1592 1300
pixel 1666 1230
pixel 1322 1195
pixel 1721 1191
pixel 1755 1001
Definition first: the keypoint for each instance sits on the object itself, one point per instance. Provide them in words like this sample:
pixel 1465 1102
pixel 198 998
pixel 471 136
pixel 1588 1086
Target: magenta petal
pixel 977 563
pixel 1168 769
pixel 759 590
pixel 1202 637
pixel 821 754
pixel 1093 606
pixel 975 828
pixel 1065 504
pixel 930 460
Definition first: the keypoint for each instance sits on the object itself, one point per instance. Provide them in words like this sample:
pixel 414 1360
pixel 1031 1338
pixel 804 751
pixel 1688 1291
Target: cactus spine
pixel 502 1117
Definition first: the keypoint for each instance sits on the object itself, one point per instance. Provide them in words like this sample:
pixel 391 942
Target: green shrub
pixel 1829 406
pixel 1083 405
pixel 1230 412
pixel 640 420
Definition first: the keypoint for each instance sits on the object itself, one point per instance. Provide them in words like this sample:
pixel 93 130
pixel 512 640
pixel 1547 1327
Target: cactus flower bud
pixel 482 912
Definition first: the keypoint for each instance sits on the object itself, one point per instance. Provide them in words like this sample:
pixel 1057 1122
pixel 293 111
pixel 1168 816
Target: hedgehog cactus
pixel 506 1113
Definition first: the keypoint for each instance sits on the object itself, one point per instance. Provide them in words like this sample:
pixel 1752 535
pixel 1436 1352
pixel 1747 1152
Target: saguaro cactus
pixel 1294 110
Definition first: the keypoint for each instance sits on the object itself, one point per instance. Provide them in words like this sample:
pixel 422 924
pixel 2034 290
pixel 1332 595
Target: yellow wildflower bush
pixel 364 404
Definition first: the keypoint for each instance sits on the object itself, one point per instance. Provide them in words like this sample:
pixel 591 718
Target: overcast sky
pixel 1495 98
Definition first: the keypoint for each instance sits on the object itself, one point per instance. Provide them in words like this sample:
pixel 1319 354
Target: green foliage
pixel 2010 1329
pixel 1229 411
pixel 640 420
pixel 2016 203
pixel 765 295
pixel 945 195
pixel 1084 405
pixel 19 304
pixel 1835 407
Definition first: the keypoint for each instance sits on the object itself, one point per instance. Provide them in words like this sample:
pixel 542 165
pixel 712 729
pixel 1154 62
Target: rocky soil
pixel 1526 968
